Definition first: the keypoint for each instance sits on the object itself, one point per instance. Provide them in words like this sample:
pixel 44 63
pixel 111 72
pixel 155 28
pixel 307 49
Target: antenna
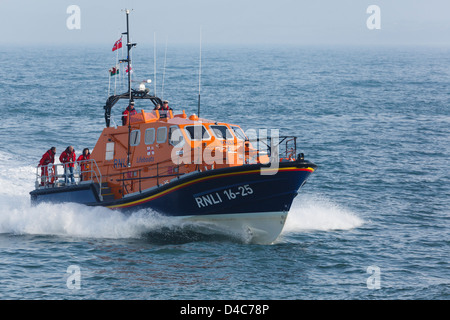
pixel 199 73
pixel 164 70
pixel 154 60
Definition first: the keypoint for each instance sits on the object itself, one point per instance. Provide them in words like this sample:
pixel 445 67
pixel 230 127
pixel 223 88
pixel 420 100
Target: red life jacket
pixel 126 113
pixel 47 158
pixel 66 157
pixel 85 165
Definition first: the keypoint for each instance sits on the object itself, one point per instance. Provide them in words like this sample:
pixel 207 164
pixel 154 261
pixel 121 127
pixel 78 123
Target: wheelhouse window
pixel 161 135
pixel 149 136
pixel 238 132
pixel 135 138
pixel 197 133
pixel 176 137
pixel 221 132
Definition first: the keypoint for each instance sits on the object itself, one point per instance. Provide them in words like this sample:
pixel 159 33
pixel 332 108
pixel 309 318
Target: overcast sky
pixel 296 22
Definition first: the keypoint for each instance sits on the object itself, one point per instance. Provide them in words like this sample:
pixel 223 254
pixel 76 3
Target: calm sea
pixel 371 223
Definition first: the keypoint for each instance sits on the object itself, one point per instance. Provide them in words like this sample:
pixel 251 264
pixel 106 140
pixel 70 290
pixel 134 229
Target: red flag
pixel 117 45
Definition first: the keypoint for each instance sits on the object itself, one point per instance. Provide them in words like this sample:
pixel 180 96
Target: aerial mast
pixel 130 97
pixel 128 59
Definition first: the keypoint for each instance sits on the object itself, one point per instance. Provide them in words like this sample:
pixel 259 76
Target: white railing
pixel 59 175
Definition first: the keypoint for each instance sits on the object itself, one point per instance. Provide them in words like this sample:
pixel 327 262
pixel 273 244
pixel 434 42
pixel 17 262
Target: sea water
pixel 371 223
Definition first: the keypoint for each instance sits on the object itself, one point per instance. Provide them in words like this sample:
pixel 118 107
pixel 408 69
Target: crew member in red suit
pixel 67 158
pixel 47 158
pixel 84 164
pixel 166 105
pixel 130 110
pixel 164 111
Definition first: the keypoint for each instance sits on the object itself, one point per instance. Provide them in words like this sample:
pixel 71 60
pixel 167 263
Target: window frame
pixel 237 135
pixel 221 125
pixel 188 134
pixel 170 137
pixel 154 135
pixel 165 135
pixel 138 138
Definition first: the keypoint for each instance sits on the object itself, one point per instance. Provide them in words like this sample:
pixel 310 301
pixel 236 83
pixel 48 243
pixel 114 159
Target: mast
pixel 128 59
pixel 130 94
pixel 130 98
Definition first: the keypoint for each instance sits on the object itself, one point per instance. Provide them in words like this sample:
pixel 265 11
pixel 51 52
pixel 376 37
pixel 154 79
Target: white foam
pixel 72 220
pixel 318 213
pixel 16 178
pixel 18 216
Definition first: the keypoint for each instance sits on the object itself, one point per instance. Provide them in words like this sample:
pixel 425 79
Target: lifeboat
pixel 183 166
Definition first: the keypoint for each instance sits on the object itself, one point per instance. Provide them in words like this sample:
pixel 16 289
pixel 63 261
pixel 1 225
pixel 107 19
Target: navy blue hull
pixel 84 194
pixel 231 190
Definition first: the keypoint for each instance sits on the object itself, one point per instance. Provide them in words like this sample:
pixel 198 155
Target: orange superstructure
pixel 163 146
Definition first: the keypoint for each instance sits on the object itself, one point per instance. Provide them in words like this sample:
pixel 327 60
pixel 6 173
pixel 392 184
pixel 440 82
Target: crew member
pixel 67 158
pixel 164 111
pixel 47 158
pixel 84 164
pixel 165 105
pixel 130 110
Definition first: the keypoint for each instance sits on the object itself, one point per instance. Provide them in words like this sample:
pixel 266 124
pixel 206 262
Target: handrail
pixel 154 167
pixel 47 176
pixel 288 145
